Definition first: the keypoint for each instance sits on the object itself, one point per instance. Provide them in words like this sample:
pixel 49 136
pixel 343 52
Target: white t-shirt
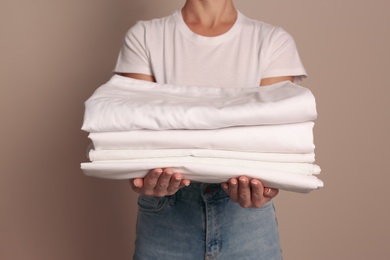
pixel 250 51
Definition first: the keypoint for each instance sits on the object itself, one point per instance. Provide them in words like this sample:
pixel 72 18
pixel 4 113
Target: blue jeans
pixel 201 222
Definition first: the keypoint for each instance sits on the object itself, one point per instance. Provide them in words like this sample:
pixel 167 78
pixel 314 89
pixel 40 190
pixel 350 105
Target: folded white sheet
pixel 112 155
pixel 291 138
pixel 127 104
pixel 295 177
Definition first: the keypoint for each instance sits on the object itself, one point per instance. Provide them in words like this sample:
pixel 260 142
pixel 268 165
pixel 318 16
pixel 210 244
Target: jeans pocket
pixel 151 203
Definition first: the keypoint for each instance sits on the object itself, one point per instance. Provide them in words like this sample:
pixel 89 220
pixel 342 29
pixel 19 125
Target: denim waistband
pixel 202 191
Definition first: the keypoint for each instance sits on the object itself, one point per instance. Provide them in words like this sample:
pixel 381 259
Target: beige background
pixel 53 54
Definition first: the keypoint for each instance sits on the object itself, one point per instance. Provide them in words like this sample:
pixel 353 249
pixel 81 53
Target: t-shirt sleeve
pixel 133 56
pixel 281 57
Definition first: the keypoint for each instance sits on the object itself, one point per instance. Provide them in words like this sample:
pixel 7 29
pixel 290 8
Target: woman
pixel 207 43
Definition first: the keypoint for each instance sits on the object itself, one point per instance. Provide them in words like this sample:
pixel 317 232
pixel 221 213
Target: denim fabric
pixel 201 222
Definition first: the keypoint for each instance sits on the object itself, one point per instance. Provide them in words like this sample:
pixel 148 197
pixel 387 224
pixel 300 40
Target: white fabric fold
pixel 127 104
pixel 290 138
pixel 208 134
pixel 113 155
pixel 297 177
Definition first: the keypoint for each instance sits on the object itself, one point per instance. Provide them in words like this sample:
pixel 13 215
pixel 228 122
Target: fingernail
pixel 243 180
pixel 135 183
pixel 234 181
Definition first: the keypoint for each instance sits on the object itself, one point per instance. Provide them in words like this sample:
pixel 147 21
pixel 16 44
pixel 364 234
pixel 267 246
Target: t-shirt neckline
pixel 207 39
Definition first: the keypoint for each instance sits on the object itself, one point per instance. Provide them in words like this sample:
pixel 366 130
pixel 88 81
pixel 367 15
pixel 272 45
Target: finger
pixel 270 192
pixel 163 182
pixel 150 182
pixel 244 192
pixel 184 183
pixel 225 187
pixel 257 197
pixel 136 183
pixel 233 189
pixel 174 183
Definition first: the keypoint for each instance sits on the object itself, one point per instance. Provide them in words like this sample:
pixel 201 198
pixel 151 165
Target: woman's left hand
pixel 248 193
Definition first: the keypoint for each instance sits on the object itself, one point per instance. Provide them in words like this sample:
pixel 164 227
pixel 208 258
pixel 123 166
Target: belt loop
pixel 172 200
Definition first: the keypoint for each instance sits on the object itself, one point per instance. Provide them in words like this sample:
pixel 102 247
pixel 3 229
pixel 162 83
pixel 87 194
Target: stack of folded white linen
pixel 208 134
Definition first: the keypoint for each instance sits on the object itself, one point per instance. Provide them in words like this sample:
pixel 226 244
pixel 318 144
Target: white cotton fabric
pixel 291 138
pixel 250 51
pixel 297 177
pixel 124 104
pixel 208 134
pixel 113 155
pixel 298 168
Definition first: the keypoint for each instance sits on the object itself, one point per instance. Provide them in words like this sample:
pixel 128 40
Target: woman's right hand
pixel 159 183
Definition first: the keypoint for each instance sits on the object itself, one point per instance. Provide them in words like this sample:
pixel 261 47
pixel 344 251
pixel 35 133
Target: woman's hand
pixel 159 183
pixel 248 193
